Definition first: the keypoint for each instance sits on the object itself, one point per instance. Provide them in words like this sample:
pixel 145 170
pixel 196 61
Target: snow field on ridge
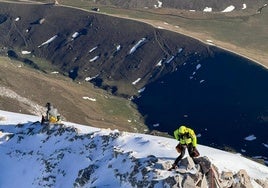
pixel 139 145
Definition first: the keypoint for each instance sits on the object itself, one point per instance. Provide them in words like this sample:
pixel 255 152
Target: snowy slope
pixel 73 155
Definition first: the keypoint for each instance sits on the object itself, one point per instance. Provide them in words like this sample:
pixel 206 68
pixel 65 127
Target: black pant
pixel 183 149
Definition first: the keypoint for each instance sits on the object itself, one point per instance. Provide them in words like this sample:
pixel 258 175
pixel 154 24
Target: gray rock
pixel 188 182
pixel 227 179
pixel 243 180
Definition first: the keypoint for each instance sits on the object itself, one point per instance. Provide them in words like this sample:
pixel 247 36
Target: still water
pixel 224 98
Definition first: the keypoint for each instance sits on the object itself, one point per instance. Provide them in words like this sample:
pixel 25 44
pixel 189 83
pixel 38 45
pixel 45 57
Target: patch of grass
pixel 43 64
pixel 121 109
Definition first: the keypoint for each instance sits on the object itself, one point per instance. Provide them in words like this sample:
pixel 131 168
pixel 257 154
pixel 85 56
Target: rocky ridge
pixel 51 148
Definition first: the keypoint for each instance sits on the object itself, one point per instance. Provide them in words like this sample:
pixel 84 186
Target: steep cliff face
pixel 121 55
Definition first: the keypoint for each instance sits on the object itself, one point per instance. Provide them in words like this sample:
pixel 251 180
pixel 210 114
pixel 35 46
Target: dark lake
pixel 224 98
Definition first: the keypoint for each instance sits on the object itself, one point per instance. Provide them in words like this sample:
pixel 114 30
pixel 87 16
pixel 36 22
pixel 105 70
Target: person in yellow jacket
pixel 187 139
pixel 52 115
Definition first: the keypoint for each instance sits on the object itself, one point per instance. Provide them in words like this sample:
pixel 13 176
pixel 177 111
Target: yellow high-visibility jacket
pixel 53 119
pixel 186 138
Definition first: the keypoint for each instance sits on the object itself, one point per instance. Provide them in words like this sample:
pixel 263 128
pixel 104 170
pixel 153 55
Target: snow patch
pixel 137 45
pixel 48 41
pixel 136 81
pixel 90 78
pixel 229 9
pixel 156 125
pixel 159 4
pixel 94 58
pixel 75 35
pixel 159 64
pixel 244 6
pixel 90 99
pixel 118 47
pixel 169 60
pixel 141 90
pixel 198 66
pixel 207 9
pixel 24 52
pixel 54 72
pixel 17 19
pixel 92 49
pixel 210 42
pixel 250 138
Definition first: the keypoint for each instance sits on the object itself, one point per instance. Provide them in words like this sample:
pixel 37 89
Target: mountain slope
pixel 72 155
pixel 86 104
pixel 116 52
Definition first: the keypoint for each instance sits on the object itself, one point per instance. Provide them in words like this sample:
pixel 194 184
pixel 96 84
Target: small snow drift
pixel 229 8
pixel 48 41
pixel 136 81
pixel 75 35
pixel 158 5
pixel 137 45
pixel 90 99
pixel 25 52
pixel 94 58
pixel 207 9
pixel 250 138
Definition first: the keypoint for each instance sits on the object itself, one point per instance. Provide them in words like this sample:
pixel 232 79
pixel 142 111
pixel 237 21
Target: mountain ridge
pixel 40 156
